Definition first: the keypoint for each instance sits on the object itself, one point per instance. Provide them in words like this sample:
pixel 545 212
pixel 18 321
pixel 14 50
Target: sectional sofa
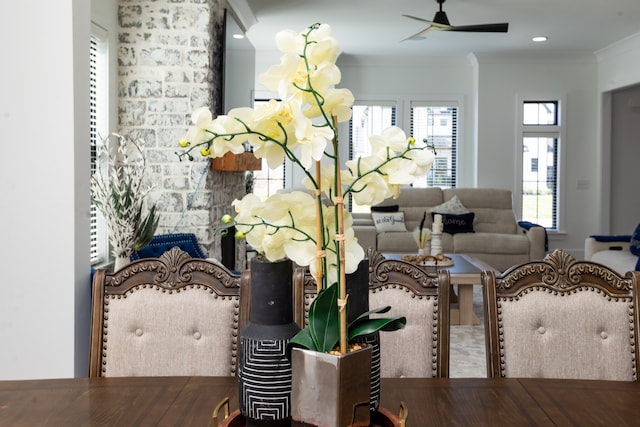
pixel 618 252
pixel 477 221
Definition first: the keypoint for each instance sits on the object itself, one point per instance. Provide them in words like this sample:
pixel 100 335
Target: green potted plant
pixel 119 192
pixel 312 228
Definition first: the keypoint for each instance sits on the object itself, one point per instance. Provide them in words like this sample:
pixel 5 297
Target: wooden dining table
pixel 190 401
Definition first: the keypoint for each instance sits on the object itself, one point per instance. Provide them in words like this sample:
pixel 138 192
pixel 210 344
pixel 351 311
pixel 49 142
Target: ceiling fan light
pixel 540 39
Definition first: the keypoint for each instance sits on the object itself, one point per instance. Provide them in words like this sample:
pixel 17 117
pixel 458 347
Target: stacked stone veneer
pixel 170 63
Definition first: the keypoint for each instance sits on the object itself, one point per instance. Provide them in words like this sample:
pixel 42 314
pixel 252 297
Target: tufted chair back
pixel 421 349
pixel 167 316
pixel 561 318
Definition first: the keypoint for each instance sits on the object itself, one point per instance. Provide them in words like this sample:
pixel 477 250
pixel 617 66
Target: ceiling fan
pixel 441 23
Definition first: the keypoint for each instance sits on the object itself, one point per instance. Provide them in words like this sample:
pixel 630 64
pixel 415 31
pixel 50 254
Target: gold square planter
pixel 330 390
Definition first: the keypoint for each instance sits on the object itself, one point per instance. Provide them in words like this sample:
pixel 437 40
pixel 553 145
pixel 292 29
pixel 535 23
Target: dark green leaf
pixel 301 339
pixel 146 229
pixel 365 327
pixel 324 322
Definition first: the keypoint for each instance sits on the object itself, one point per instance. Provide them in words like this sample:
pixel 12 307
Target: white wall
pixel 618 71
pixel 501 80
pixel 619 64
pixel 44 183
pixel 625 155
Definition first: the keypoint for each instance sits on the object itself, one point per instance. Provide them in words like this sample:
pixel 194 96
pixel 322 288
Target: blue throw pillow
pixel 634 244
pixel 456 223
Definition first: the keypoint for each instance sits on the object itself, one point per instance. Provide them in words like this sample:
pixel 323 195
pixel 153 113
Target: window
pixel 98 79
pixel 534 165
pixel 367 120
pixel 267 182
pixel 540 146
pixel 438 124
pixel 435 121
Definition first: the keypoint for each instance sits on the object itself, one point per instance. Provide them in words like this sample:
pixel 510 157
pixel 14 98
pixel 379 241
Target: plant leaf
pixel 324 323
pixel 368 326
pixel 301 339
pixel 323 330
pixel 146 229
pixel 374 311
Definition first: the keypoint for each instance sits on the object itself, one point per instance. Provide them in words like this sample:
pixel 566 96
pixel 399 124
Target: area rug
pixel 467 357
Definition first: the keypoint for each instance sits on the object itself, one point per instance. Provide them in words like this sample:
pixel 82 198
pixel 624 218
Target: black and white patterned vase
pixel 358 290
pixel 264 372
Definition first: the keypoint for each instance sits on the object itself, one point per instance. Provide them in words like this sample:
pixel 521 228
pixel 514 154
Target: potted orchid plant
pixel 312 228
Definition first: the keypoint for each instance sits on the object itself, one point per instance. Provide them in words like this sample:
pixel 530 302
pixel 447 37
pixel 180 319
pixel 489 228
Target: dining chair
pixel 561 318
pixel 421 348
pixel 167 316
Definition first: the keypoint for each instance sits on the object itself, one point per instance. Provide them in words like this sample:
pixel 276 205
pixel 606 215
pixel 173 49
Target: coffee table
pixel 465 273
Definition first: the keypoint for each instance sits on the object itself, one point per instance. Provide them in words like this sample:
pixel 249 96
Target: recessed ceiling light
pixel 539 39
pixel 238 36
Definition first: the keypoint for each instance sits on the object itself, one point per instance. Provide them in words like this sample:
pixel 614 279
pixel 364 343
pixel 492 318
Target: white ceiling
pixel 377 27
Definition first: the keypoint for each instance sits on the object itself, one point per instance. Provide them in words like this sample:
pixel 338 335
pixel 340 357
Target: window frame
pixel 455 155
pixel 395 117
pixel 99 249
pixel 270 174
pixel 558 132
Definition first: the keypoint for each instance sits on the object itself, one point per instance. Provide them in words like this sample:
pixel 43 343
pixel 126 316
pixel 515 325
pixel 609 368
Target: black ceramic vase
pixel 358 290
pixel 264 372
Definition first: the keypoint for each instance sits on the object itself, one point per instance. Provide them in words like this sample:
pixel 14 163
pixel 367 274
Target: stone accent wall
pixel 170 63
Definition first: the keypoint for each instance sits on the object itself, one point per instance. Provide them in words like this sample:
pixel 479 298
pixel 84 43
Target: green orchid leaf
pixel 324 324
pixel 368 326
pixel 302 339
pixel 374 311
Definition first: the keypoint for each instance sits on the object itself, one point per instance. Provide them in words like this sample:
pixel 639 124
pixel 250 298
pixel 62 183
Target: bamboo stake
pixel 342 279
pixel 320 254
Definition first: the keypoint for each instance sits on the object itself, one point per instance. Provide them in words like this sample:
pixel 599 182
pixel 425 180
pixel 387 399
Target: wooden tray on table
pixel 381 418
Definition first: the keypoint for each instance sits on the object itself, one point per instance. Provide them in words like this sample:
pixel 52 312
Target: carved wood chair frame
pixel 172 271
pixel 561 274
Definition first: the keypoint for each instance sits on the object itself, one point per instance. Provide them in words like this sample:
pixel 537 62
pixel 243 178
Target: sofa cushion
pixel 491 243
pixel 619 261
pixel 404 242
pixel 634 243
pixel 451 206
pixel 385 208
pixel 453 224
pixel 388 221
pixel 414 202
pixel 492 207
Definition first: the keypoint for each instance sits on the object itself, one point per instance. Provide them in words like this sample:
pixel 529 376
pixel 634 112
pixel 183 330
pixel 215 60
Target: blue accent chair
pixel 161 243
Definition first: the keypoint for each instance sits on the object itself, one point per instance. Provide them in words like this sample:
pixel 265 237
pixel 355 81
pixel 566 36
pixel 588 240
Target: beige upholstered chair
pixel 421 349
pixel 561 318
pixel 167 316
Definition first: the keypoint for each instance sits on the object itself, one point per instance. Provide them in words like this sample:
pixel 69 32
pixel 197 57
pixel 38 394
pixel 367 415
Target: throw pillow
pixel 388 208
pixel 452 223
pixel 451 206
pixel 388 221
pixel 634 244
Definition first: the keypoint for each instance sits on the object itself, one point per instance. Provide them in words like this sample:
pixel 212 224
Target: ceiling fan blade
pixel 441 22
pixel 426 21
pixel 421 33
pixel 481 28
